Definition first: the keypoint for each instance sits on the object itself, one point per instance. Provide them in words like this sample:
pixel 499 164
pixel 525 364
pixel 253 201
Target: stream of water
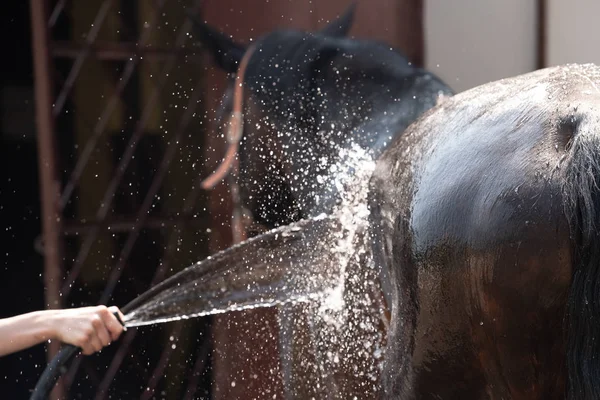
pixel 321 265
pixel 301 262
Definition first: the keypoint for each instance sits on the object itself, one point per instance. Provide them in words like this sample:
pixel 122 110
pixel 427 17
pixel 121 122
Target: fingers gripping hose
pixel 56 368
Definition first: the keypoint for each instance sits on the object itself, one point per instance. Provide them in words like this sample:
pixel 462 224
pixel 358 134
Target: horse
pixel 485 213
pixel 308 97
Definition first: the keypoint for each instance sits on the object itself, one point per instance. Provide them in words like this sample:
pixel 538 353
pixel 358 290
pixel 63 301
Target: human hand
pixel 90 328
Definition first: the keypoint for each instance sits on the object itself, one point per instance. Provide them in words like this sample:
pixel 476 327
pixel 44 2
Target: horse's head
pixel 279 75
pixel 306 96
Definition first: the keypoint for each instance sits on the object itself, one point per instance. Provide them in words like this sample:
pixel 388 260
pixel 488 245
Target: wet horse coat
pixel 486 214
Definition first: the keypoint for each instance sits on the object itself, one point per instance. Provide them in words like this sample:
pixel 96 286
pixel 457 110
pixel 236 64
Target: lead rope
pixel 236 127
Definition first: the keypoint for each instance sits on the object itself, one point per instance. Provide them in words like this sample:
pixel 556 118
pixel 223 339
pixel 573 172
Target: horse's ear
pixel 340 26
pixel 226 53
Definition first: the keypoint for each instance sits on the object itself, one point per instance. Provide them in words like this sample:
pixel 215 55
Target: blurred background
pixel 106 117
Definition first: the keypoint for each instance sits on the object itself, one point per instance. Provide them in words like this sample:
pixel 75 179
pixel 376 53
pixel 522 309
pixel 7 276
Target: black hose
pixel 53 371
pixel 55 368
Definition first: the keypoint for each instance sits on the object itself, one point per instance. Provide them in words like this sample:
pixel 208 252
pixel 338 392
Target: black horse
pixel 309 95
pixel 486 214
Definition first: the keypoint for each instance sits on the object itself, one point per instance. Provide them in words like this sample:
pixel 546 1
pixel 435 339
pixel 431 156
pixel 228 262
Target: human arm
pixel 90 328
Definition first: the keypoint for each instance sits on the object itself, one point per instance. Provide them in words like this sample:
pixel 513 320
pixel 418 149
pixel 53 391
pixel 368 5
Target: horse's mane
pixel 290 70
pixel 286 58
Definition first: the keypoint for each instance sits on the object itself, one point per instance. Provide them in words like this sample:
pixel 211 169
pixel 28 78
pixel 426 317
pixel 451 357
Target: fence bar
pixel 120 51
pixel 128 224
pixel 78 64
pixel 56 12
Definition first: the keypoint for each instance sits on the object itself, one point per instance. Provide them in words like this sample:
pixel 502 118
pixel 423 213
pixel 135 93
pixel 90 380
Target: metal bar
pixel 58 8
pixel 153 190
pixel 128 224
pixel 117 360
pixel 49 177
pixel 161 365
pixel 75 228
pixel 124 162
pixel 149 198
pixel 118 51
pixel 89 40
pixel 100 126
pixel 197 371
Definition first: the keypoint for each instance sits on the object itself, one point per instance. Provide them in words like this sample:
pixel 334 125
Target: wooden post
pixel 49 178
pixel 542 15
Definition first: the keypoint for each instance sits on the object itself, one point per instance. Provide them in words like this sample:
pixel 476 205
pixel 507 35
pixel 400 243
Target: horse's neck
pixel 367 115
pixel 383 106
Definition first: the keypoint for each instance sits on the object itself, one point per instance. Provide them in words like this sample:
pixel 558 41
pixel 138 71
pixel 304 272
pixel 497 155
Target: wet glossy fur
pixel 486 213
